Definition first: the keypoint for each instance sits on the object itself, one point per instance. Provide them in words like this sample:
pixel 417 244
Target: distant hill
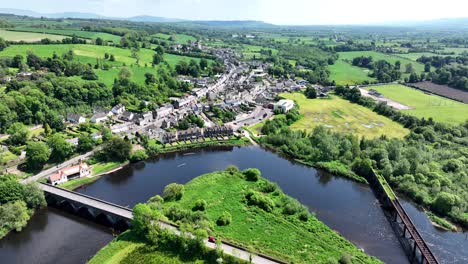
pixel 232 24
pixel 21 12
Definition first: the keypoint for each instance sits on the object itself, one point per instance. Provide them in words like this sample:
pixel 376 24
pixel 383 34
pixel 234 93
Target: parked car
pixel 211 239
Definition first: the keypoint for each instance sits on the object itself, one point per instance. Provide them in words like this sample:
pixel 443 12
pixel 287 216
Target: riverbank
pixel 232 141
pixel 233 202
pixel 98 170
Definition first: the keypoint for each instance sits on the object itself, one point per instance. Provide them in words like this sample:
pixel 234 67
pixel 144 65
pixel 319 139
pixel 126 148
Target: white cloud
pixel 274 11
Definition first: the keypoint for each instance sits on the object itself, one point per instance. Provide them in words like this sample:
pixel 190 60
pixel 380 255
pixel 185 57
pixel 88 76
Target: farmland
pixel 443 90
pixel 342 116
pixel 177 38
pixel 27 36
pixel 344 73
pixel 71 32
pixel 90 54
pixel 349 56
pixel 426 105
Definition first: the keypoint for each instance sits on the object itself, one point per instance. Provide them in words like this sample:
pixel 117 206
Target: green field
pixel 419 67
pixel 426 105
pixel 27 36
pixel 342 116
pixel 178 38
pixel 71 32
pixel 90 53
pixel 344 73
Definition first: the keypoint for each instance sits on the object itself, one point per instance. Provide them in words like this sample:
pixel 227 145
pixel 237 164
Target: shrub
pixel 231 169
pixel 251 174
pixel 267 187
pixel 224 219
pixel 291 207
pixel 176 213
pixel 200 205
pixel 173 192
pixel 303 216
pixel 139 155
pixel 345 259
pixel 156 199
pixel 260 200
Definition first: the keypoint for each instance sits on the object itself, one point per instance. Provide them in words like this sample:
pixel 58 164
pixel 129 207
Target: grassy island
pixel 240 207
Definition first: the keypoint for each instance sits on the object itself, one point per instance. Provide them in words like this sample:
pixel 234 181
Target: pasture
pixel 178 38
pixel 91 53
pixel 71 32
pixel 425 105
pixel 344 73
pixel 343 116
pixel 349 56
pixel 27 36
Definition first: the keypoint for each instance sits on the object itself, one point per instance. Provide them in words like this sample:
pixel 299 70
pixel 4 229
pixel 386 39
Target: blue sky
pixel 287 12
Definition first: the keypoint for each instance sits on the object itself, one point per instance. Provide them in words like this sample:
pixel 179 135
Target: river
pixel 345 206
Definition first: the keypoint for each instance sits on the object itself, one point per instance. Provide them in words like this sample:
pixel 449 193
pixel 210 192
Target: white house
pixel 99 118
pixel 64 175
pixel 75 118
pixel 284 105
pixel 164 111
pixel 118 109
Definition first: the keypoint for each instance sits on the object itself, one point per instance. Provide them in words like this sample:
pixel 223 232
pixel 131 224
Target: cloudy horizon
pixel 291 12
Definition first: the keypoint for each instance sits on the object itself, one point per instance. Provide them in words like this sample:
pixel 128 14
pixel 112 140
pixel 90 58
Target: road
pixel 65 164
pixel 226 248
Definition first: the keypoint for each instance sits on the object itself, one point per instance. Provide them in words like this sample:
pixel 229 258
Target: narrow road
pixel 54 169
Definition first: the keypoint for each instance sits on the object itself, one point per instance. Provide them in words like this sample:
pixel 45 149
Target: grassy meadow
pixel 70 32
pixel 344 73
pixel 91 53
pixel 178 38
pixel 27 36
pixel 426 105
pixel 343 116
pixel 349 56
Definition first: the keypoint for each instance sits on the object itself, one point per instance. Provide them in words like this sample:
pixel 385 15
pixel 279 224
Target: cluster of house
pixel 79 171
pixel 197 133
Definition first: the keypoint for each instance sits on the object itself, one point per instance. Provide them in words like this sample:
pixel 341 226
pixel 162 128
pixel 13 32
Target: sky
pixel 282 12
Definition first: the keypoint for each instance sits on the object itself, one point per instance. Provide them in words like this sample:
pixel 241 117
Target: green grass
pixel 457 51
pixel 90 53
pixel 272 233
pixel 71 32
pixel 426 105
pixel 73 184
pixel 117 250
pixel 441 222
pixel 27 36
pixel 342 116
pixel 418 67
pixel 105 167
pixel 7 156
pixel 178 38
pixel 344 73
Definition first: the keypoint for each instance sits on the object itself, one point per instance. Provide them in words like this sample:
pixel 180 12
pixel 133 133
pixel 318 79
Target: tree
pixel 427 67
pixel 444 202
pixel 149 78
pixel 173 192
pixel 10 189
pixel 310 93
pixel 203 63
pixel 224 219
pixel 125 73
pixel 34 196
pixel 159 50
pixel 89 75
pixel 117 149
pixel 61 149
pixel 143 218
pixel 112 57
pixel 397 65
pixel 3 44
pixel 409 68
pixel 14 215
pixel 19 133
pixel 413 78
pixel 252 174
pixel 37 154
pixel 139 155
pixel 157 58
pixel 85 143
pixel 200 205
pixel 99 41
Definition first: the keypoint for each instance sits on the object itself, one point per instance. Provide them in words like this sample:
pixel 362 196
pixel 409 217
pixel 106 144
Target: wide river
pixel 347 207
